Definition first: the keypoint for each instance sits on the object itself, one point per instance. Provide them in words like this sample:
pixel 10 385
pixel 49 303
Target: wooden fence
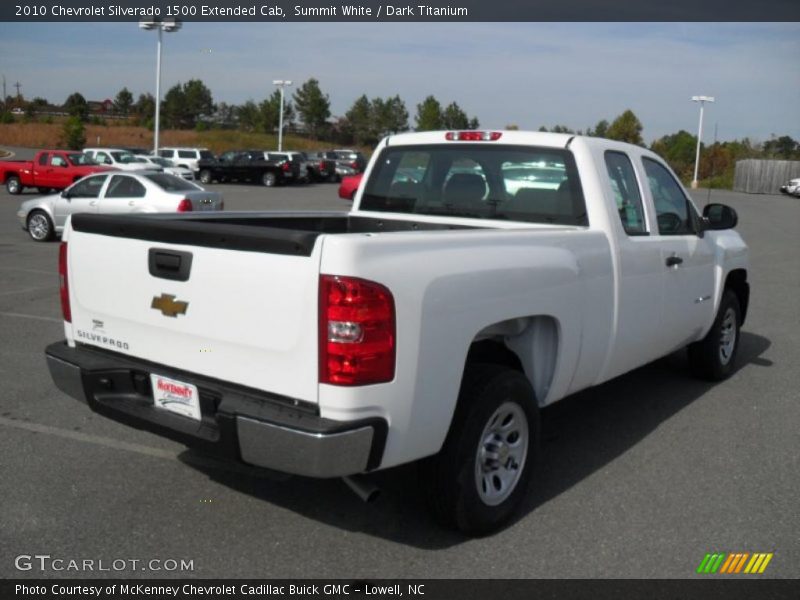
pixel 755 176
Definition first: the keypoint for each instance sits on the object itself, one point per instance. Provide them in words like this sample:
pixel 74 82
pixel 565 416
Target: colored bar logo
pixel 735 563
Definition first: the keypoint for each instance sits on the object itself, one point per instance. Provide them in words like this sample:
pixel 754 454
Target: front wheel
pixel 714 356
pixel 205 176
pixel 482 474
pixel 40 227
pixel 13 185
pixel 269 179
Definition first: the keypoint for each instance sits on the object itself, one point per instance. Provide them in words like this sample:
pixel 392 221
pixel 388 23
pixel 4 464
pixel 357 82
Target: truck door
pixel 41 170
pixel 688 259
pixel 80 198
pixel 637 338
pixel 58 174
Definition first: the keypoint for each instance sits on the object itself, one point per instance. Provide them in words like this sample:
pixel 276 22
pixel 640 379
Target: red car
pixel 49 170
pixel 349 186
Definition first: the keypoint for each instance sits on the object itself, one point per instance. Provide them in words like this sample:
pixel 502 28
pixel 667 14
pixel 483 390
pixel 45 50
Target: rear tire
pixel 483 472
pixel 714 357
pixel 40 227
pixel 269 179
pixel 205 176
pixel 14 185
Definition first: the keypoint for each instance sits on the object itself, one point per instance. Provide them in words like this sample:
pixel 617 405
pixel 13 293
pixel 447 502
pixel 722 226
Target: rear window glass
pixel 79 159
pixel 171 183
pixel 531 184
pixel 206 154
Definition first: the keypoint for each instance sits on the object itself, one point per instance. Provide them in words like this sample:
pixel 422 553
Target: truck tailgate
pixel 244 316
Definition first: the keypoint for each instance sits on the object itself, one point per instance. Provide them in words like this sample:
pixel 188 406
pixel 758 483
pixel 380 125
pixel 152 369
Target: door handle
pixel 131 203
pixel 674 261
pixel 93 203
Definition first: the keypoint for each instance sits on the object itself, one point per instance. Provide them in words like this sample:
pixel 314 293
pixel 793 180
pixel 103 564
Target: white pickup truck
pixel 479 277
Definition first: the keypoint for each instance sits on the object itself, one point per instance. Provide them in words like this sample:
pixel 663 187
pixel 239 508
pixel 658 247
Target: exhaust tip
pixel 363 488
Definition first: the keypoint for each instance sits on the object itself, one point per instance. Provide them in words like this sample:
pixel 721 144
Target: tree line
pixel 191 105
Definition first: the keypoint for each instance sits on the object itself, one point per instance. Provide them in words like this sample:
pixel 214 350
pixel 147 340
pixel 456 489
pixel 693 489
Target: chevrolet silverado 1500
pixel 479 277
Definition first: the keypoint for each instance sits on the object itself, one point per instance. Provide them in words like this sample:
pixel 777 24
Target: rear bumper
pixel 237 423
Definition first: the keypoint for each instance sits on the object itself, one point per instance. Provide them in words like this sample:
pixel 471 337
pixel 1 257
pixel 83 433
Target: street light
pixel 281 83
pixel 170 26
pixel 702 100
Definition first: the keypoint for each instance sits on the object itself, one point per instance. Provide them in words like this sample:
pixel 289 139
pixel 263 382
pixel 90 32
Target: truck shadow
pixel 581 434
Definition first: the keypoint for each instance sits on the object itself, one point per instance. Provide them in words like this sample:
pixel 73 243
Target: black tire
pixel 14 185
pixel 269 179
pixel 714 357
pixel 205 176
pixel 40 226
pixel 455 479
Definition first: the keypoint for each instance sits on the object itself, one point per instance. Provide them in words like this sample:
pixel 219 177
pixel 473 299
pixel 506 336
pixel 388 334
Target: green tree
pixel 248 116
pixel 313 107
pixel 389 116
pixel 270 112
pixel 73 133
pixel 429 115
pixel 184 105
pixel 626 128
pixel 359 122
pixel 453 117
pixel 678 149
pixel 123 101
pixel 77 106
pixel 600 130
pixel 145 106
pixel 783 147
pixel 39 103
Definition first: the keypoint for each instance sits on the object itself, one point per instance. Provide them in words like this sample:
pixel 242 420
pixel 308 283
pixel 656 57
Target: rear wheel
pixel 269 179
pixel 14 185
pixel 205 176
pixel 40 227
pixel 483 472
pixel 714 356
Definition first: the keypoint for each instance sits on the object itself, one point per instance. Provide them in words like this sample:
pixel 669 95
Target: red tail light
pixel 356 331
pixel 354 165
pixel 185 205
pixel 63 282
pixel 285 167
pixel 473 136
pixel 322 166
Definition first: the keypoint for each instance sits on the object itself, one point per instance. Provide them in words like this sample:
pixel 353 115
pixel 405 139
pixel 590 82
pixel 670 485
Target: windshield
pixel 171 183
pixel 80 160
pixel 536 185
pixel 126 158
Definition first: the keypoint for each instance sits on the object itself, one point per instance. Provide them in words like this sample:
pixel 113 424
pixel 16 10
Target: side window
pixel 165 153
pixel 87 188
pixel 58 161
pixel 43 158
pixel 626 192
pixel 122 186
pixel 102 158
pixel 186 154
pixel 673 211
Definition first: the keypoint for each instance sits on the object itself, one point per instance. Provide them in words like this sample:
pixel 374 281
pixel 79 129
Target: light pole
pixel 281 83
pixel 170 26
pixel 702 100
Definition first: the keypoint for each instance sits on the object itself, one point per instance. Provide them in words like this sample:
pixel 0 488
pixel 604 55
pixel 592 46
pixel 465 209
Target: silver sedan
pixel 114 193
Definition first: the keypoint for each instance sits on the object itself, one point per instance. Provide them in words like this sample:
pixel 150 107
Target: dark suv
pixel 321 166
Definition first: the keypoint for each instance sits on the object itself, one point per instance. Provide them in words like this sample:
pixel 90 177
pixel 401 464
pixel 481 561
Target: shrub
pixel 74 134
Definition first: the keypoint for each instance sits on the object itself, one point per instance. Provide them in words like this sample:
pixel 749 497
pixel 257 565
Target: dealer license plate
pixel 176 396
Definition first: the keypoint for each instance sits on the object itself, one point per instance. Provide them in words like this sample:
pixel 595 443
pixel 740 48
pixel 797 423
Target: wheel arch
pixel 736 281
pixel 526 344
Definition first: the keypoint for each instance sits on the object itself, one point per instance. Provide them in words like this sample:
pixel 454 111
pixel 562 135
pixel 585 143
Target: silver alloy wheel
pixel 727 337
pixel 13 185
pixel 501 454
pixel 205 177
pixel 269 179
pixel 39 227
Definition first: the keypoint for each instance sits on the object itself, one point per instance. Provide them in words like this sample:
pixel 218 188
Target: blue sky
pixel 529 74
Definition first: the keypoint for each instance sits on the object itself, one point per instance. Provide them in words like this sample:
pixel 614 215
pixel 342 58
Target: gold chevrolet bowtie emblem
pixel 168 306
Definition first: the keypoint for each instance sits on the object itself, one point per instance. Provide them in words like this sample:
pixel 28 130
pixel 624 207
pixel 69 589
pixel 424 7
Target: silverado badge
pixel 168 306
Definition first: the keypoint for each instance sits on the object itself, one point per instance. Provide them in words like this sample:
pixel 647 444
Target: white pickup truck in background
pixel 479 277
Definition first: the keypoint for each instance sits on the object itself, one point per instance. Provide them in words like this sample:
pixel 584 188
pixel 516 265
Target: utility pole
pixel 18 85
pixel 702 100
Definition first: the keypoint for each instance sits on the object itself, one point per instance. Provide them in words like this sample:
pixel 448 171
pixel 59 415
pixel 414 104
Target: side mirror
pixel 65 194
pixel 720 216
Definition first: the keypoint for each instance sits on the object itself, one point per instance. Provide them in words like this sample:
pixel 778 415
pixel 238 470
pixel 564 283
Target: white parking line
pixel 35 317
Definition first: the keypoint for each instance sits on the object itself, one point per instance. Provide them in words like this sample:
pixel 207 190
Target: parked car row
pixel 791 187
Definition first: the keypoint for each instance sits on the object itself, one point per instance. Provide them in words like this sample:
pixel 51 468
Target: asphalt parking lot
pixel 640 477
